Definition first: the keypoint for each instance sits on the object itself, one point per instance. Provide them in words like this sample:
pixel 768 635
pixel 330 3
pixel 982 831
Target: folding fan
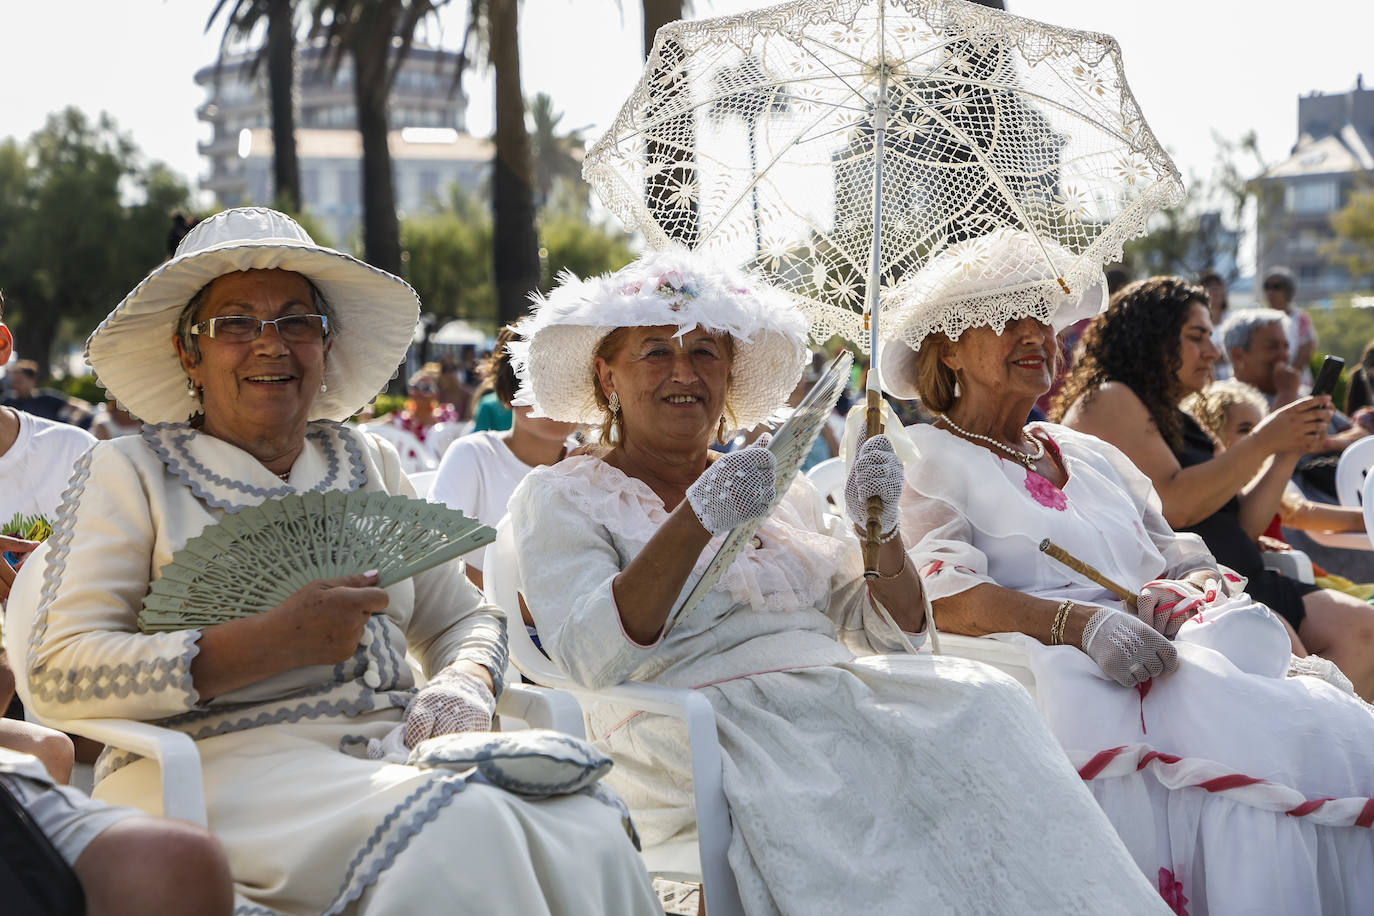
pixel 790 445
pixel 254 559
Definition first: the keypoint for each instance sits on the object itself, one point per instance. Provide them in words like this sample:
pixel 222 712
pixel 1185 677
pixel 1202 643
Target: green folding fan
pixel 252 560
pixel 790 445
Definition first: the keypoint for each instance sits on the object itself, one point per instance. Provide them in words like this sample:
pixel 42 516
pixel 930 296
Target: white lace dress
pixel 858 782
pixel 1236 788
pixel 310 824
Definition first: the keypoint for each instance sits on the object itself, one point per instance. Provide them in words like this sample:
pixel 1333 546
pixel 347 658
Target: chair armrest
pixel 541 707
pixel 1292 563
pixel 183 794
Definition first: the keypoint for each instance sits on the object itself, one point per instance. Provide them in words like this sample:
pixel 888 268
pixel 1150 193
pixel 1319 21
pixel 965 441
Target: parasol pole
pixel 874 399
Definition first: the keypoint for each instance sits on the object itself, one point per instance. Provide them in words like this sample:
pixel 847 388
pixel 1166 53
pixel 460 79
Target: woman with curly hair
pixel 1148 351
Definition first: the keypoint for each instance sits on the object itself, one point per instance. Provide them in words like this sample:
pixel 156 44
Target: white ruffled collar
pixel 789 566
pixel 223 476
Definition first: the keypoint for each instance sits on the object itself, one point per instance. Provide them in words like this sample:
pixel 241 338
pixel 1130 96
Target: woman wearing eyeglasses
pixel 242 354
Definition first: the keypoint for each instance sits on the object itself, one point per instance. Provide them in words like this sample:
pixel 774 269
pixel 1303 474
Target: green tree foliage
pixel 82 219
pixel 1354 225
pixel 1199 234
pixel 571 243
pixel 557 157
pixel 448 261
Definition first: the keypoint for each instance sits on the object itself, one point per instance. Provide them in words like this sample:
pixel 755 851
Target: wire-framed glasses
pixel 243 328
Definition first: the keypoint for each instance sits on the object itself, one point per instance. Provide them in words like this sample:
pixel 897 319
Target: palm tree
pixel 494 24
pixel 377 36
pixel 556 157
pixel 279 51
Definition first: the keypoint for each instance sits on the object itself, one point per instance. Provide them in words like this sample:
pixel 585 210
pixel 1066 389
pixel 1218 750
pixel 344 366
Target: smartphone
pixel 1327 375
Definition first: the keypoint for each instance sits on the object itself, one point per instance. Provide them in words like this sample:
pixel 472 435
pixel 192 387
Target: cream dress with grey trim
pixel 310 824
pixel 858 781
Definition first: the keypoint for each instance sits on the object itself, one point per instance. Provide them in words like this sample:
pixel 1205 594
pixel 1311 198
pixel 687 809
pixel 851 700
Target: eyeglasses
pixel 243 328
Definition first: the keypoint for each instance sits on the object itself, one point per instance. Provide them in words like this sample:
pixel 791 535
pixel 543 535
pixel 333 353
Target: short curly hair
pixel 1136 342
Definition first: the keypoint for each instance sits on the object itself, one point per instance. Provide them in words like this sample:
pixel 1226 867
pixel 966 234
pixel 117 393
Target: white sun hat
pixel 984 281
pixel 673 287
pixel 374 316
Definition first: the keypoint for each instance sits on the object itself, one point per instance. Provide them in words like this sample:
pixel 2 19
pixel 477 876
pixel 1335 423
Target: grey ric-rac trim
pixel 169 442
pixel 255 909
pixel 67 685
pixel 393 835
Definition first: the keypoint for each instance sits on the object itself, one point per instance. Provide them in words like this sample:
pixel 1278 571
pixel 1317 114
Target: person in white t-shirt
pixel 479 471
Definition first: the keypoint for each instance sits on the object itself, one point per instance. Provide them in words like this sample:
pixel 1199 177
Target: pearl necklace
pixel 1038 447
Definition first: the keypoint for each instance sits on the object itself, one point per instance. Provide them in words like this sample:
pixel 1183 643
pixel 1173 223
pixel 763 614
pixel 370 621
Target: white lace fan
pixel 253 560
pixel 790 445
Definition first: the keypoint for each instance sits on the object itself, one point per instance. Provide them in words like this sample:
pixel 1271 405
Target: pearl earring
pixel 191 391
pixel 323 387
pixel 613 405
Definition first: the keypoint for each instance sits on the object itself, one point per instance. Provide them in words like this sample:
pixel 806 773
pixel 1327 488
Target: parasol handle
pixel 1052 549
pixel 872 529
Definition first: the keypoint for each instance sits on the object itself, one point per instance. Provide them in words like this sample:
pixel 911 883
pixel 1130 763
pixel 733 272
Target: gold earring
pixel 722 432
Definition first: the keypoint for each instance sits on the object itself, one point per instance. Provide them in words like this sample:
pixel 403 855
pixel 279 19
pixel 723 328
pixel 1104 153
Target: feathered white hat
pixel 674 287
pixel 985 281
pixel 375 315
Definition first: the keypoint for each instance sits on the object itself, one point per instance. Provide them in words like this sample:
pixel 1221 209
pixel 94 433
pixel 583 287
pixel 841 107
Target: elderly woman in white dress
pixel 857 780
pixel 242 353
pixel 1237 786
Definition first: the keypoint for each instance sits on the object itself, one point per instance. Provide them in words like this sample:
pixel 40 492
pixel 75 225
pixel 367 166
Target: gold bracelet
pixel 1061 620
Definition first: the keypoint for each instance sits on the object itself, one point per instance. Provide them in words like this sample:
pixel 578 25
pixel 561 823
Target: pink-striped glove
pixel 453 701
pixel 1166 604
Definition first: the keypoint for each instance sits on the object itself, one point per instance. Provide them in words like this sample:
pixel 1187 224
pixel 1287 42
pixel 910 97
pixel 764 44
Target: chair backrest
pixel 1352 469
pixel 415 455
pixel 501 582
pixel 828 478
pixel 423 482
pixel 22 608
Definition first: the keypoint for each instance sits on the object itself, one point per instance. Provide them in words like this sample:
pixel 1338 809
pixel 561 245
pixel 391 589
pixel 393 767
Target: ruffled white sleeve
pixel 567 562
pixel 942 549
pixel 87 657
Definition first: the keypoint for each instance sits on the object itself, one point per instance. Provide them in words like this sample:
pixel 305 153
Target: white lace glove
pixel 453 701
pixel 735 488
pixel 1166 603
pixel 1128 650
pixel 876 471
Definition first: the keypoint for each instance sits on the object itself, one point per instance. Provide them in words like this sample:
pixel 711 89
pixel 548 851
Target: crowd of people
pixel 1198 738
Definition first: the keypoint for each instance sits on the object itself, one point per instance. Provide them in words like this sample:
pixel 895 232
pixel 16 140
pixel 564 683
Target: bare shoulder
pixel 1112 405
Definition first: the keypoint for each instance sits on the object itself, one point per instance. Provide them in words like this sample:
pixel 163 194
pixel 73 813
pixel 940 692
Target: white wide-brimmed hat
pixel 374 316
pixel 984 281
pixel 673 287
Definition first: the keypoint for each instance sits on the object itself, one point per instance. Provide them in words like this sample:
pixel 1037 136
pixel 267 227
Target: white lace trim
pixel 792 570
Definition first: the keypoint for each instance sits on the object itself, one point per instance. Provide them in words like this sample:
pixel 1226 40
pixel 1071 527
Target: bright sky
pixel 1196 66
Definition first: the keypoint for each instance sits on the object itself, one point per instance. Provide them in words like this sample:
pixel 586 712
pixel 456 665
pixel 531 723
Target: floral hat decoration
pixel 673 287
pixel 987 280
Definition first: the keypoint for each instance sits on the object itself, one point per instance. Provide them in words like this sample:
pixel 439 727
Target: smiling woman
pixel 244 353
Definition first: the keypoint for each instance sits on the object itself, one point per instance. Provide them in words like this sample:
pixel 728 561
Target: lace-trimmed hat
pixel 673 287
pixel 374 316
pixel 987 280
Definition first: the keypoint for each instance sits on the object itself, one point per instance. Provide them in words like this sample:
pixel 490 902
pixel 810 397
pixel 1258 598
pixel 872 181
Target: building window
pixel 1312 197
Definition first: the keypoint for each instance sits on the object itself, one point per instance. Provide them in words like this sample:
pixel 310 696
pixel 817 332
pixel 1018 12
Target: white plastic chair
pixel 183 794
pixel 423 482
pixel 1291 563
pixel 502 580
pixel 828 479
pixel 1351 470
pixel 415 455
